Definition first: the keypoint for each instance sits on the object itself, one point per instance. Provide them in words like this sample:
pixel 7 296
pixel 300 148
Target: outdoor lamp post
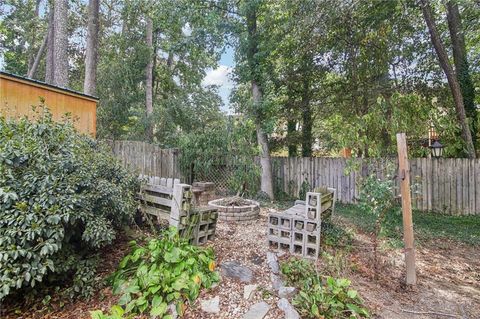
pixel 437 149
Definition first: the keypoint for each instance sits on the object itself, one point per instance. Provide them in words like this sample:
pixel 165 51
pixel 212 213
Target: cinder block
pixel 311 252
pixel 272 231
pixel 298 224
pixel 273 244
pixel 285 234
pixel 298 238
pixel 286 222
pixel 273 220
pixel 202 227
pixel 312 239
pixel 312 226
pixel 285 247
pixel 313 206
pixel 298 249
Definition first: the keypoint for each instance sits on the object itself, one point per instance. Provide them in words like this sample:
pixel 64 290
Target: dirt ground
pixel 448 279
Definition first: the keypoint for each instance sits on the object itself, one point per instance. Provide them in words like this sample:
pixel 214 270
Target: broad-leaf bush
pixel 321 296
pixel 165 271
pixel 62 195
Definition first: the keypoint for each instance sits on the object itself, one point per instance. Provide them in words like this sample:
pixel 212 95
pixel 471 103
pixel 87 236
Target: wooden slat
pixel 156 200
pixel 470 186
pixel 158 189
pixel 160 213
pixel 477 186
pixel 448 182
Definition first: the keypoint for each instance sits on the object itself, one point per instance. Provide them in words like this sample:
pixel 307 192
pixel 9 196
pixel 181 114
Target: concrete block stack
pixel 203 193
pixel 206 226
pixel 297 230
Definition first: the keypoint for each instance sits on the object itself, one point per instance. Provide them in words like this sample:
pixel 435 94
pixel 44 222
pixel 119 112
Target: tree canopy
pixel 314 76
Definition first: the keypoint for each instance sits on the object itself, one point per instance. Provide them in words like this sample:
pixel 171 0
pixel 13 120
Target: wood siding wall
pixel 450 185
pixel 17 97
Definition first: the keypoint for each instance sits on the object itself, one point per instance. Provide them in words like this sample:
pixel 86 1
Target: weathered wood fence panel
pixel 148 159
pixel 446 185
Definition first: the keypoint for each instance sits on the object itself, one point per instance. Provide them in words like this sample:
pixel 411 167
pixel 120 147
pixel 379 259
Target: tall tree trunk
pixel 266 180
pixel 307 136
pixel 291 130
pixel 90 82
pixel 451 78
pixel 149 68
pixel 60 43
pixel 461 66
pixel 49 67
pixel 38 57
pixel 32 56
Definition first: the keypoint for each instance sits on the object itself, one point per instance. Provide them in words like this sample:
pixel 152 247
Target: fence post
pixel 404 175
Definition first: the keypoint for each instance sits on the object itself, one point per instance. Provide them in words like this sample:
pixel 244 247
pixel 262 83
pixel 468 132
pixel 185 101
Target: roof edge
pixel 33 81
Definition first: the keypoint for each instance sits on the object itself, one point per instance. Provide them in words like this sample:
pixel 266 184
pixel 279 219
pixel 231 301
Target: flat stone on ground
pixel 211 305
pixel 257 311
pixel 248 291
pixel 272 262
pixel 234 269
pixel 287 308
pixel 286 292
pixel 277 282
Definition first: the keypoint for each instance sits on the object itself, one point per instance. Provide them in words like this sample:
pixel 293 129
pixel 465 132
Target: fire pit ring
pixel 247 210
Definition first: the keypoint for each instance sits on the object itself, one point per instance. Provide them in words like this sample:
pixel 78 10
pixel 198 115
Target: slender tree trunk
pixel 461 66
pixel 265 161
pixel 307 136
pixel 49 68
pixel 91 55
pixel 149 68
pixel 60 43
pixel 266 184
pixel 451 78
pixel 38 57
pixel 32 57
pixel 291 130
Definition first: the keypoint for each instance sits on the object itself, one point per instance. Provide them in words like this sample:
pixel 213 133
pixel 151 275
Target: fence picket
pixel 446 185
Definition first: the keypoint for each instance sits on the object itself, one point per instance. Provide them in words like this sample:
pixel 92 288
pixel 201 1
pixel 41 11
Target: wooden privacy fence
pixel 148 159
pixel 446 185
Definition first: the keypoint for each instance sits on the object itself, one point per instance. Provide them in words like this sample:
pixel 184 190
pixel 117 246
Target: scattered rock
pixel 234 269
pixel 281 253
pixel 256 259
pixel 257 311
pixel 287 308
pixel 173 310
pixel 272 262
pixel 248 290
pixel 286 292
pixel 211 305
pixel 277 282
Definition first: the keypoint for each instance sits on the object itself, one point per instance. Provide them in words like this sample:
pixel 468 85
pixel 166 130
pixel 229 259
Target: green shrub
pixel 62 195
pixel 165 271
pixel 321 296
pixel 116 312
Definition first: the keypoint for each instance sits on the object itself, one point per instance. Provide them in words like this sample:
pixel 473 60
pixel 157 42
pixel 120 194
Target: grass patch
pixel 427 226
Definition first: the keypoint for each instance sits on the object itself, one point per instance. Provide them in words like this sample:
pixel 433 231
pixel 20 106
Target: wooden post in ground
pixel 404 175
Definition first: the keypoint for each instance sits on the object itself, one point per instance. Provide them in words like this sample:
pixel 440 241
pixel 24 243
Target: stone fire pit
pixel 236 208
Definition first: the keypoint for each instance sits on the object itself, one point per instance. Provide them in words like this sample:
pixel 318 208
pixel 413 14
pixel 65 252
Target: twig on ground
pixel 430 313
